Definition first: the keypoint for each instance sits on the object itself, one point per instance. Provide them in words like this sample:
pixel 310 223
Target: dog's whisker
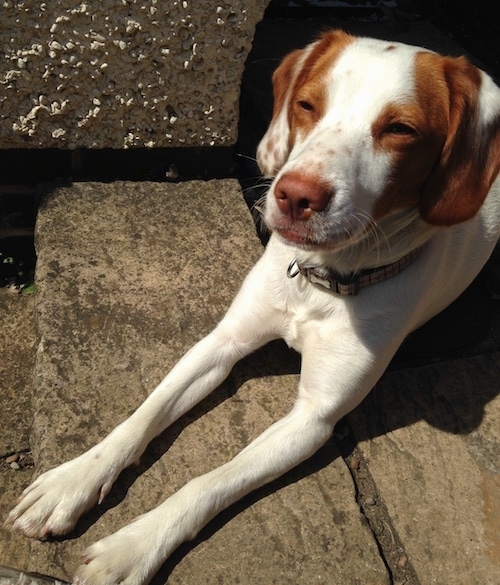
pixel 246 156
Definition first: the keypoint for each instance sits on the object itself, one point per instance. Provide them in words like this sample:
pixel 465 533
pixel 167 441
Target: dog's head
pixel 363 128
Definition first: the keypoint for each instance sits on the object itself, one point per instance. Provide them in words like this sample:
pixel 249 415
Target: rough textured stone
pixel 129 276
pixel 431 439
pixel 17 344
pixel 122 74
pixel 17 340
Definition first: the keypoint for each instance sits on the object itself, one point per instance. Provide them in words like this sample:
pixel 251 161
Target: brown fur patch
pixel 470 158
pixel 283 79
pixel 448 166
pixel 416 153
pixel 308 99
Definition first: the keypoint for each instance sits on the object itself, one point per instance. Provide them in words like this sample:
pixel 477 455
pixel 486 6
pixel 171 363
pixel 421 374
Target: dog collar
pixel 350 285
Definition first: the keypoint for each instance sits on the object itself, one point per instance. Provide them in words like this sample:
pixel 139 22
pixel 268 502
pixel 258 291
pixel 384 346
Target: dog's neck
pixel 394 237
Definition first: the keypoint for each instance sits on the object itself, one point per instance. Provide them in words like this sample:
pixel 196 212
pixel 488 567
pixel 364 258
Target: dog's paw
pixel 54 502
pixel 130 556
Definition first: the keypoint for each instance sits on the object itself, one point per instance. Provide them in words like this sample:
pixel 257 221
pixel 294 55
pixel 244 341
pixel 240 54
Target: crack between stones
pixel 373 508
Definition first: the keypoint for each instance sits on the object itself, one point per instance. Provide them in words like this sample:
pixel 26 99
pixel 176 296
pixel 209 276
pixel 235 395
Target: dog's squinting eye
pixel 306 106
pixel 400 129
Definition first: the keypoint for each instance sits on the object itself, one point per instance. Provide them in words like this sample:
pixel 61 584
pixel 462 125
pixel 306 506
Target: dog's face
pixel 364 128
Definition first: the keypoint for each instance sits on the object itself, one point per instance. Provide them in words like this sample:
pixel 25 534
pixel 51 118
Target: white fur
pixel 346 342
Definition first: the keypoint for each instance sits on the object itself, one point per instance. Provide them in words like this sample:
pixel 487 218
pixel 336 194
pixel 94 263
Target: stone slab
pixel 129 276
pixel 17 349
pixel 431 439
pixel 123 74
pixel 17 342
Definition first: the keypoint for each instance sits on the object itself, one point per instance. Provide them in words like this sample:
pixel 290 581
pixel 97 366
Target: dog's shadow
pixel 404 396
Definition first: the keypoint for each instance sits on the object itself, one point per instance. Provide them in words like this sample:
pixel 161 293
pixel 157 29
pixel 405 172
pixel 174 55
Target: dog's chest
pixel 313 317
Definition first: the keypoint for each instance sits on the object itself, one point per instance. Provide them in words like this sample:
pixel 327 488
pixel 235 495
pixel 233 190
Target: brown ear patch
pixel 283 79
pixel 470 158
pixel 274 146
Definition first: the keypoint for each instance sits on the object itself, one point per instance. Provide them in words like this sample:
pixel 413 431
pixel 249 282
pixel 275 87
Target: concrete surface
pixel 123 74
pixel 9 576
pixel 17 351
pixel 17 343
pixel 431 439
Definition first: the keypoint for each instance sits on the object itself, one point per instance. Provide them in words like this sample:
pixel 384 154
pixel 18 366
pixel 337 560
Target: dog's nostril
pixel 299 196
pixel 295 207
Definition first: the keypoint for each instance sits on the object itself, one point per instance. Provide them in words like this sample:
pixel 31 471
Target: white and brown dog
pixel 384 207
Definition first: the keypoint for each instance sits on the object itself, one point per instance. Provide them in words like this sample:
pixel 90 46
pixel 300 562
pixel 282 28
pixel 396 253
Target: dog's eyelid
pixel 305 105
pixel 401 128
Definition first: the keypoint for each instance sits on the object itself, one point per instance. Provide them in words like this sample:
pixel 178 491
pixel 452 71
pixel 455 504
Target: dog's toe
pixel 55 501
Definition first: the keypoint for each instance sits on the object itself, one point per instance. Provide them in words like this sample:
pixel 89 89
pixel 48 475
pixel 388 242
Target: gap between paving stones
pixel 372 506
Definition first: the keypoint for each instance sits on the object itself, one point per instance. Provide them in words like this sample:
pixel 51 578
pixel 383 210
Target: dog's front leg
pixel 56 500
pixel 328 389
pixel 136 552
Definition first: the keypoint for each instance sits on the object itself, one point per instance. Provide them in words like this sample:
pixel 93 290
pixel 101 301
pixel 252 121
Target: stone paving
pixel 129 276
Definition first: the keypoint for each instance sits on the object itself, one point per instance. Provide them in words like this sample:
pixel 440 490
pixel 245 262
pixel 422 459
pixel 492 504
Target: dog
pixel 384 205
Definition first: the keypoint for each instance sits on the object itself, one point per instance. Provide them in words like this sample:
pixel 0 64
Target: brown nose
pixel 298 196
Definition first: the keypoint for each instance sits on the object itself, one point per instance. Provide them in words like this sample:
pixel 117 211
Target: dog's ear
pixel 295 69
pixel 470 159
pixel 274 147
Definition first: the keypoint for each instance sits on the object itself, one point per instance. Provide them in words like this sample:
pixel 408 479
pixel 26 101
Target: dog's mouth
pixel 302 240
pixel 331 238
pixel 295 236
